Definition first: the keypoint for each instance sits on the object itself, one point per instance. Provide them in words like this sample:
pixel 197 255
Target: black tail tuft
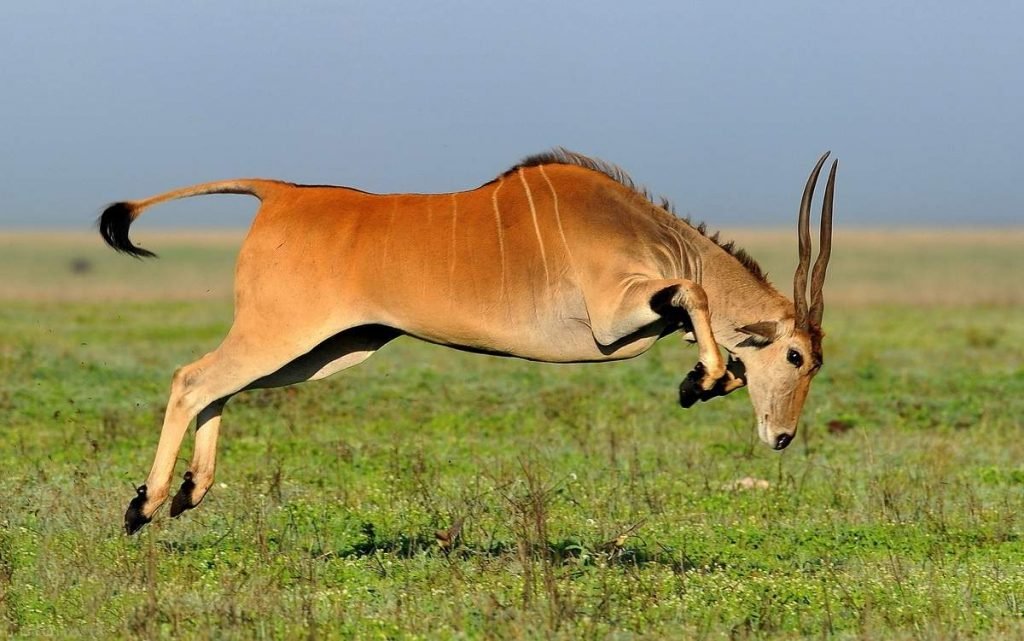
pixel 114 223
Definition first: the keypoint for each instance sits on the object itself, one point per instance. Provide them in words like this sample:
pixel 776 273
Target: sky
pixel 721 106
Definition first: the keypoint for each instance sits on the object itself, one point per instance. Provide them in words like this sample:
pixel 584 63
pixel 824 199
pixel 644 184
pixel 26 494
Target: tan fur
pixel 550 262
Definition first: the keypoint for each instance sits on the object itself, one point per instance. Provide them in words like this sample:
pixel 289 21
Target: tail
pixel 118 217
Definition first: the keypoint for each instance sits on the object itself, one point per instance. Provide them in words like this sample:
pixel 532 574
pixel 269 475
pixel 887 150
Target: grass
pixel 431 494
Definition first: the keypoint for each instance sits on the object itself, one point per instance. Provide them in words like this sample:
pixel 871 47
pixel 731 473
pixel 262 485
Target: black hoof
pixel 134 519
pixel 736 367
pixel 689 390
pixel 183 499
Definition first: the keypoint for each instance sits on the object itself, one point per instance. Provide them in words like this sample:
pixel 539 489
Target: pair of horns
pixel 810 318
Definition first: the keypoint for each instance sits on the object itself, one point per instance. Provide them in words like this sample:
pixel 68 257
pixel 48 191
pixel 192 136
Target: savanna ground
pixel 590 504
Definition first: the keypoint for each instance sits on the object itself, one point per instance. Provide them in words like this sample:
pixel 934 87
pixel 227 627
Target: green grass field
pixel 592 506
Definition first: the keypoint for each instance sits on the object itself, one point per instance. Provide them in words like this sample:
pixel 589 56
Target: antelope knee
pixel 714 371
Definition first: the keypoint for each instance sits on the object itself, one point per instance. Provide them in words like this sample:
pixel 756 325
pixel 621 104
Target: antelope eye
pixel 794 358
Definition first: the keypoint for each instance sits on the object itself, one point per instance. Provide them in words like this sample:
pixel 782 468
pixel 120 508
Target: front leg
pixel 690 392
pixel 643 301
pixel 689 298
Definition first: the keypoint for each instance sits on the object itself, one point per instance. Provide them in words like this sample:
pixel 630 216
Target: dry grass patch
pixel 869 267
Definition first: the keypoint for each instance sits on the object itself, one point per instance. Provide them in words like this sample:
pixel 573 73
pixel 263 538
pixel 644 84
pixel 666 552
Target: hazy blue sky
pixel 722 106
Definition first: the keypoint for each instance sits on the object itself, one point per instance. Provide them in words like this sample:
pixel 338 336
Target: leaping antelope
pixel 560 259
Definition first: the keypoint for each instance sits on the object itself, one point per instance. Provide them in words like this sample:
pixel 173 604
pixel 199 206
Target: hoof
pixel 134 518
pixel 738 370
pixel 689 390
pixel 183 499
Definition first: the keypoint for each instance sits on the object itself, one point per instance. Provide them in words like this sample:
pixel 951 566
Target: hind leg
pixel 337 353
pixel 241 359
pixel 199 476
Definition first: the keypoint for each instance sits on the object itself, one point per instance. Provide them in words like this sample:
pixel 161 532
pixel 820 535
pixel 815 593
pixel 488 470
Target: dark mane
pixel 562 156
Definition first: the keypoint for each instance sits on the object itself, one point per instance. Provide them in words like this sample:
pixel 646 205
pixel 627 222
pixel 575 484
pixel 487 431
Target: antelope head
pixel 781 356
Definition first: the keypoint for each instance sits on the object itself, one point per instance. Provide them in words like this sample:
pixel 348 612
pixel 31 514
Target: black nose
pixel 782 441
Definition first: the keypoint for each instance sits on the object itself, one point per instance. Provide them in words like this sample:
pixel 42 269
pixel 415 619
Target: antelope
pixel 560 259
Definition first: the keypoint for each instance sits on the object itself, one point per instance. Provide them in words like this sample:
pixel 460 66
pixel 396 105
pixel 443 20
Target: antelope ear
pixel 760 334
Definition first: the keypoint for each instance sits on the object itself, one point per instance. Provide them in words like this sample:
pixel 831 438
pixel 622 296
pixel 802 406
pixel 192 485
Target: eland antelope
pixel 560 259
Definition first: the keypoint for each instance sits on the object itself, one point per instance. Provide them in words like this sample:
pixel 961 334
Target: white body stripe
pixel 536 226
